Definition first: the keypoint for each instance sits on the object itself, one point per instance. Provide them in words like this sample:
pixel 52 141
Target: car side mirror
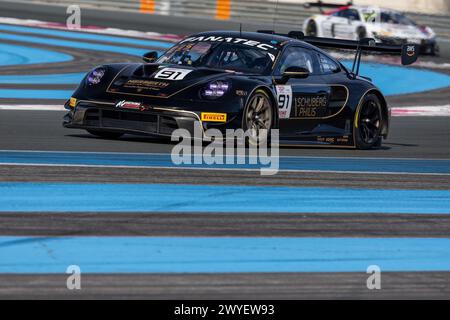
pixel 150 57
pixel 296 73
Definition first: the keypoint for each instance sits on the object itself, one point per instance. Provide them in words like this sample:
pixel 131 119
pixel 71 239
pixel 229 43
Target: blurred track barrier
pixel 147 6
pixel 285 13
pixel 223 9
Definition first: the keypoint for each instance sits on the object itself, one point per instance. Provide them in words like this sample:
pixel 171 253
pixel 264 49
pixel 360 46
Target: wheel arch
pixel 318 20
pixel 384 110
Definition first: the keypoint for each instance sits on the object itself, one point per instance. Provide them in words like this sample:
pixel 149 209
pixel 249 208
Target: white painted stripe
pixel 97 30
pixel 414 111
pixel 29 107
pixel 217 169
pixel 421 111
pixel 167 154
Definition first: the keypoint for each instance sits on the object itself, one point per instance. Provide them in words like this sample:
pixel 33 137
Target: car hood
pixel 405 31
pixel 163 81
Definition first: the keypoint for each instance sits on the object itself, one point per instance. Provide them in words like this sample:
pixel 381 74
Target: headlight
pixel 216 89
pixel 383 33
pixel 95 76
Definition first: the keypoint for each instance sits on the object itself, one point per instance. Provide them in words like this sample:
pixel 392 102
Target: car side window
pixel 297 57
pixel 326 64
pixel 350 14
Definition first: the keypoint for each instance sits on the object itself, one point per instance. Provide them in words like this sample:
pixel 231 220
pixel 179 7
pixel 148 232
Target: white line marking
pixel 94 29
pixel 168 154
pixel 218 169
pixel 28 107
pixel 423 111
pixel 413 111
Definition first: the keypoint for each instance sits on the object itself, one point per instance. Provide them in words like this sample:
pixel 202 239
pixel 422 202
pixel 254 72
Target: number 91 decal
pixel 284 97
pixel 172 74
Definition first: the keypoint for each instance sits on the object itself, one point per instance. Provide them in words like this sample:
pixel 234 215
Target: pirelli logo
pixel 214 117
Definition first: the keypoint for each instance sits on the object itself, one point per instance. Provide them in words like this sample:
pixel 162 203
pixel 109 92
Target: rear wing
pixel 408 52
pixel 321 5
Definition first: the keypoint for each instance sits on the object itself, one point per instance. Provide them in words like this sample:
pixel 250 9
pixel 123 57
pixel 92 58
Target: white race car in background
pixel 357 22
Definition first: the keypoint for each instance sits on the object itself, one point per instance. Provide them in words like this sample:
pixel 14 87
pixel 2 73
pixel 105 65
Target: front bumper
pixel 157 121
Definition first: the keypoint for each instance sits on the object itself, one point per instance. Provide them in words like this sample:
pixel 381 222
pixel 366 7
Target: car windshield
pixel 220 55
pixel 396 18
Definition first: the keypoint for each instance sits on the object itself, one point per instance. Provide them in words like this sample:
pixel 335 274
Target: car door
pixel 344 24
pixel 300 100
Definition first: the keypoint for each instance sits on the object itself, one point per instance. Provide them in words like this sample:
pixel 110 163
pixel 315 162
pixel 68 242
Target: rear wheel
pixel 105 134
pixel 368 124
pixel 311 29
pixel 258 118
pixel 361 33
pixel 435 50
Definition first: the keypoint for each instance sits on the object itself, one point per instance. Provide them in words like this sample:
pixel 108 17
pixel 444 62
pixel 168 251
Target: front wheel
pixel 258 118
pixel 105 134
pixel 368 123
pixel 311 29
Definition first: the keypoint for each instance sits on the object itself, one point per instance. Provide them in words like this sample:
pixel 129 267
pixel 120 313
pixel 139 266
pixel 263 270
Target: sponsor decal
pixel 173 74
pixel 310 106
pixel 146 84
pixel 246 42
pixel 411 51
pixel 131 105
pixel 284 97
pixel 73 102
pixel 214 117
pixel 241 93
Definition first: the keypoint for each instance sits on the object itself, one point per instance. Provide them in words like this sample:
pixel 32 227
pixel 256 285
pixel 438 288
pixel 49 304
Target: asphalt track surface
pixel 411 138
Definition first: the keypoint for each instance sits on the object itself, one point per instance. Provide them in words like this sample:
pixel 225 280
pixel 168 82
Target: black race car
pixel 249 80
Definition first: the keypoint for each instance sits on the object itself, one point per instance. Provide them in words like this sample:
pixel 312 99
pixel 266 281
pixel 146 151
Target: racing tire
pixel 361 33
pixel 311 29
pixel 435 50
pixel 258 118
pixel 368 123
pixel 105 134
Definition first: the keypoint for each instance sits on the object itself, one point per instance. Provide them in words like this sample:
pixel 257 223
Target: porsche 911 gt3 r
pixel 240 80
pixel 357 22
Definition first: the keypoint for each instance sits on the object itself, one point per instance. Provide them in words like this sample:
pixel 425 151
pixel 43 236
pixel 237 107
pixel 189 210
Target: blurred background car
pixel 357 22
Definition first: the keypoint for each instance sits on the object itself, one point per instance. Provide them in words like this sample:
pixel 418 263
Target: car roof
pixel 256 36
pixel 375 8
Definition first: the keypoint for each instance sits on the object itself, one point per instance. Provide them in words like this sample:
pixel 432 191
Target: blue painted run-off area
pixel 80 197
pixel 86 36
pixel 392 80
pixel 396 80
pixel 35 94
pixel 355 164
pixel 227 255
pixel 20 55
pixel 73 44
pixel 66 78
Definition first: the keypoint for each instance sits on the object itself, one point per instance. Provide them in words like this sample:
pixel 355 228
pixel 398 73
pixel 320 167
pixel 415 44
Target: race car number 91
pixel 172 74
